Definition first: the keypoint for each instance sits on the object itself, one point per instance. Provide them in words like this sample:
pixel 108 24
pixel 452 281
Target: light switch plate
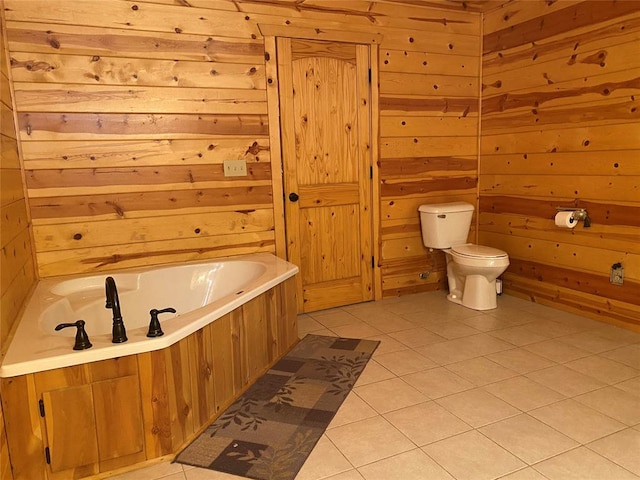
pixel 235 168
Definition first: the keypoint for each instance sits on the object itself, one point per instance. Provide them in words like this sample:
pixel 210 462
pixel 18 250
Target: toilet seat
pixel 470 250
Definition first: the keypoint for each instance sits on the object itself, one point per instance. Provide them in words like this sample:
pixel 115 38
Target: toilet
pixel 471 269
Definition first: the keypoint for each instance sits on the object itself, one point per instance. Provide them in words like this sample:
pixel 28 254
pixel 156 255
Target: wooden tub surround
pixel 85 420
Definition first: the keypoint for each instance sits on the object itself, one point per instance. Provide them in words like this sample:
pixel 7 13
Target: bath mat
pixel 268 433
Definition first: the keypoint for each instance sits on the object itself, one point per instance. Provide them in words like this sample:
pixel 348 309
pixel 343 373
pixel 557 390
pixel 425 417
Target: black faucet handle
pixel 155 330
pixel 82 339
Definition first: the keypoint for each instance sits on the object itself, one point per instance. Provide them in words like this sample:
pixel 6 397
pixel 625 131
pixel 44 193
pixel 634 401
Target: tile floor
pixel 523 392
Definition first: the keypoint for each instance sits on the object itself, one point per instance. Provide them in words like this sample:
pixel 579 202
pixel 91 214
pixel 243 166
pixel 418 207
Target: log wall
pixel 560 127
pixel 126 117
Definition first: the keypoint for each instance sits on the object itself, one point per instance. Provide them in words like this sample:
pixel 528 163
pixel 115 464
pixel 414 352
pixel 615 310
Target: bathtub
pixel 199 292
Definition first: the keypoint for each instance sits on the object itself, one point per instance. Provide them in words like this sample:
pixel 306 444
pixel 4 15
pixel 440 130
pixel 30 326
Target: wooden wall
pixel 16 257
pixel 126 116
pixel 17 272
pixel 429 96
pixel 560 127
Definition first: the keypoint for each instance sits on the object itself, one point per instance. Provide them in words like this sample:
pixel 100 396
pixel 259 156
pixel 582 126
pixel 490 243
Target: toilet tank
pixel 445 224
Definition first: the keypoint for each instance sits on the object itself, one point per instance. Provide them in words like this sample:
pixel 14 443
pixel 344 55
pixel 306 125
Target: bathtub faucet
pixel 113 302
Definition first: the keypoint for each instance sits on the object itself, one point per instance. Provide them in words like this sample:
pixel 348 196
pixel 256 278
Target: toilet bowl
pixel 471 269
pixel 471 273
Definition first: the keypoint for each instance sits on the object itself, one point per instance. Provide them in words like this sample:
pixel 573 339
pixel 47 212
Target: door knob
pixel 293 196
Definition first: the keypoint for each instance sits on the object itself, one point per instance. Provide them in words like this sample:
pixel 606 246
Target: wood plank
pixel 11 189
pixel 136 16
pixel 74 180
pixel 590 37
pixel 394 83
pixel 314 32
pixel 401 147
pixel 7 127
pixel 277 180
pixel 14 256
pixel 400 187
pixel 152 253
pixel 593 306
pixel 92 205
pixel 614 57
pixel 592 187
pixel 429 41
pixel 514 13
pixel 15 221
pixel 116 126
pixel 427 63
pixel 412 104
pixel 362 20
pixel 179 393
pixel 161 100
pixel 138 153
pixel 14 294
pixel 574 139
pixel 118 42
pixel 427 167
pixel 580 259
pixel 152 368
pixel 611 163
pixel 587 91
pixel 602 212
pixel 362 14
pixel 104 70
pixel 555 23
pixel 254 318
pixel 118 418
pixel 201 375
pixel 9 153
pixel 407 207
pixel 54 236
pixel 413 125
pixel 224 368
pixel 599 235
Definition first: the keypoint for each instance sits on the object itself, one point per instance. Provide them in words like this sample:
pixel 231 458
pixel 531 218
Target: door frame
pixel 271 32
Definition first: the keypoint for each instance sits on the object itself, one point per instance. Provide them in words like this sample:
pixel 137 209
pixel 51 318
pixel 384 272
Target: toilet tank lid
pixel 446 207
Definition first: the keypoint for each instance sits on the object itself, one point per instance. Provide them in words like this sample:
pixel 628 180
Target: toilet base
pixel 478 293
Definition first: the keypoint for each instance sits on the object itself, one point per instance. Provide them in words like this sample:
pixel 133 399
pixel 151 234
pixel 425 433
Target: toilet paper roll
pixel 565 220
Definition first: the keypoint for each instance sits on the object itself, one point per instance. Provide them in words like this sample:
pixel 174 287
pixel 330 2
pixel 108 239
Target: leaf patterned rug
pixel 268 433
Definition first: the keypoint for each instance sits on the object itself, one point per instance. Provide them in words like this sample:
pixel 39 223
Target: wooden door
pixel 325 131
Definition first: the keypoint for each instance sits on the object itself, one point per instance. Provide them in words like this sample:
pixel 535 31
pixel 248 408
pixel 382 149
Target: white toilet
pixel 471 269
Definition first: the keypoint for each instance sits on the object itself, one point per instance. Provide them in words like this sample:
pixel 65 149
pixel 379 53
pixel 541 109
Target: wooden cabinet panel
pixel 118 417
pixel 225 371
pixel 71 428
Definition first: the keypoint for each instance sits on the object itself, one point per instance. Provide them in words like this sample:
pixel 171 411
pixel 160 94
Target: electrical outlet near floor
pixel 235 168
pixel 617 274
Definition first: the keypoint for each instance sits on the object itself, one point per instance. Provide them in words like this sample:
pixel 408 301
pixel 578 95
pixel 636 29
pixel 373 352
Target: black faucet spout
pixel 113 302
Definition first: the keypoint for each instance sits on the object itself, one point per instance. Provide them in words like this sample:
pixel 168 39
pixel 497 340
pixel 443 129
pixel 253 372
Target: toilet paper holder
pixel 577 214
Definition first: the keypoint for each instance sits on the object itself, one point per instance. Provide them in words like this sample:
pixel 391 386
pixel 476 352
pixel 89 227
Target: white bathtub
pixel 200 293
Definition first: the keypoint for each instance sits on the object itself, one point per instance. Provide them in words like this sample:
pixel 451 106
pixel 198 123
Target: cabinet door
pixel 71 427
pixel 118 417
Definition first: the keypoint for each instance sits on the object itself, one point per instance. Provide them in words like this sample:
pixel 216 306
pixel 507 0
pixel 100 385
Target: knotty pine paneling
pixel 17 273
pixel 560 128
pixel 126 117
pixel 428 149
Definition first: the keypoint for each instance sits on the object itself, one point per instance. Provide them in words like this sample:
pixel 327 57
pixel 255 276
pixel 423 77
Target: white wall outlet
pixel 617 274
pixel 235 168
